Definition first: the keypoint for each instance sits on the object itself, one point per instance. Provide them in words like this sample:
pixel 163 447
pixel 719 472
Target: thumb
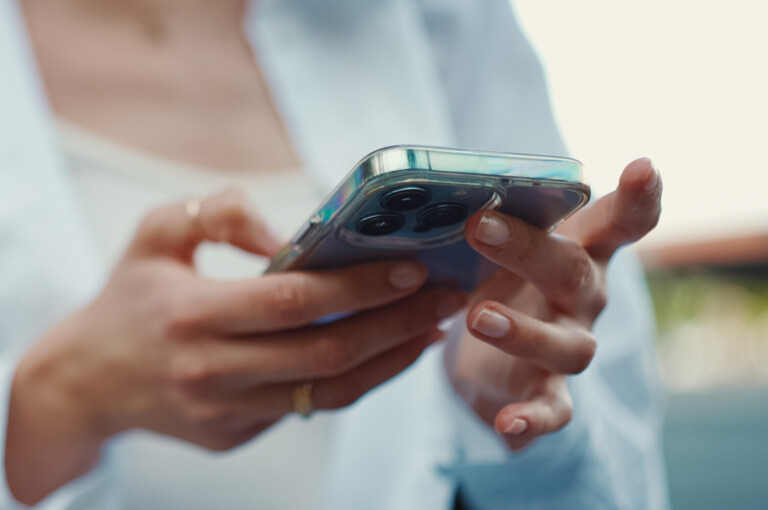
pixel 177 229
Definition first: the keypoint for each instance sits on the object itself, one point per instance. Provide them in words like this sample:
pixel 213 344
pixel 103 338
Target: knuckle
pixel 179 320
pixel 229 216
pixel 590 309
pixel 332 356
pixel 579 274
pixel 234 211
pixel 583 354
pixel 624 227
pixel 526 250
pixel 567 411
pixel 288 300
pixel 653 222
pixel 600 301
pixel 225 214
pixel 188 370
pixel 527 348
pixel 151 224
pixel 634 222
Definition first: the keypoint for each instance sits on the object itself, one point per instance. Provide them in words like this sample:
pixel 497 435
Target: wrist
pixel 57 375
pixel 52 436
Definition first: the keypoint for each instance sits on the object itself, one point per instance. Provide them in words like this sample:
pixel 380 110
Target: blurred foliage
pixel 684 295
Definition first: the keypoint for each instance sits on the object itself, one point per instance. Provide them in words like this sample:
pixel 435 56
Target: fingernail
pixel 517 427
pixel 492 231
pixel 652 180
pixel 491 323
pixel 450 304
pixel 405 276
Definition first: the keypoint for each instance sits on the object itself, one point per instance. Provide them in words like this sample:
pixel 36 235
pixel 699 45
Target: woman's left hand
pixel 539 308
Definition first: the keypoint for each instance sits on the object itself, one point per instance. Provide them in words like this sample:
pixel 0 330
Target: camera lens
pixel 405 199
pixel 380 224
pixel 443 215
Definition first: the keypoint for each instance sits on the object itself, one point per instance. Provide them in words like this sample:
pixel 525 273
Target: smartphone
pixel 412 202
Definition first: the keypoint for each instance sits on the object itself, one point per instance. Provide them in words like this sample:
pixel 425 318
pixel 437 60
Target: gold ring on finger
pixel 302 399
pixel 193 207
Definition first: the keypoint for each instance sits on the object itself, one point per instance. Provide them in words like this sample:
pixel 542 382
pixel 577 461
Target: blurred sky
pixel 685 82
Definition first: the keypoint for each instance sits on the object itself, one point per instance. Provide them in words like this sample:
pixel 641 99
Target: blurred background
pixel 686 83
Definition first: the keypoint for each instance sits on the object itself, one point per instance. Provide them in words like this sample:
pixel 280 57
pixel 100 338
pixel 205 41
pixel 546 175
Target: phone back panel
pixel 412 202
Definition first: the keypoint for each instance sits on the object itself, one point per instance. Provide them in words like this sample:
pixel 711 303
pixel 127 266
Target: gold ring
pixel 302 399
pixel 193 208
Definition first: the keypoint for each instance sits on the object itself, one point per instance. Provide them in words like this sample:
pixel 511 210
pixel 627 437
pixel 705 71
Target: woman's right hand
pixel 209 361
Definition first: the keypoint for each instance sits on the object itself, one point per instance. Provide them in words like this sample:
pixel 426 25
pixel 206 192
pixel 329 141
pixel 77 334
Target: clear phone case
pixel 412 202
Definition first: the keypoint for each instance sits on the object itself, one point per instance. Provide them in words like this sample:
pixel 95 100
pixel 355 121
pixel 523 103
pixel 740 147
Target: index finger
pixel 289 300
pixel 227 217
pixel 559 267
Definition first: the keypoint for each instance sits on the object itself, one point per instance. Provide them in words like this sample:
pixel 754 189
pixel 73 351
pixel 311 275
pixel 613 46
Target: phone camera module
pixel 443 215
pixel 405 199
pixel 380 224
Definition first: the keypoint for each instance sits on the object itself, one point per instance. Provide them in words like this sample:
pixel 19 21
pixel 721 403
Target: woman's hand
pixel 211 362
pixel 538 310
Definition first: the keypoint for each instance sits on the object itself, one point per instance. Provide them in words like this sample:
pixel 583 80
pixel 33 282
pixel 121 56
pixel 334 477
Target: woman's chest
pixel 185 95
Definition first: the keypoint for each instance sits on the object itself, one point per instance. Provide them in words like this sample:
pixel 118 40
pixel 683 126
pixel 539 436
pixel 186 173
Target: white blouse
pixel 348 77
pixel 283 467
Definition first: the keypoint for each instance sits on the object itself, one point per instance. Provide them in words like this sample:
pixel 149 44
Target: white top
pixel 350 76
pixel 115 186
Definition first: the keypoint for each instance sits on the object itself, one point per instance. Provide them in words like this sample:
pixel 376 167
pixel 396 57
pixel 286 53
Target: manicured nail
pixel 517 427
pixel 405 276
pixel 491 323
pixel 450 304
pixel 652 180
pixel 492 231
